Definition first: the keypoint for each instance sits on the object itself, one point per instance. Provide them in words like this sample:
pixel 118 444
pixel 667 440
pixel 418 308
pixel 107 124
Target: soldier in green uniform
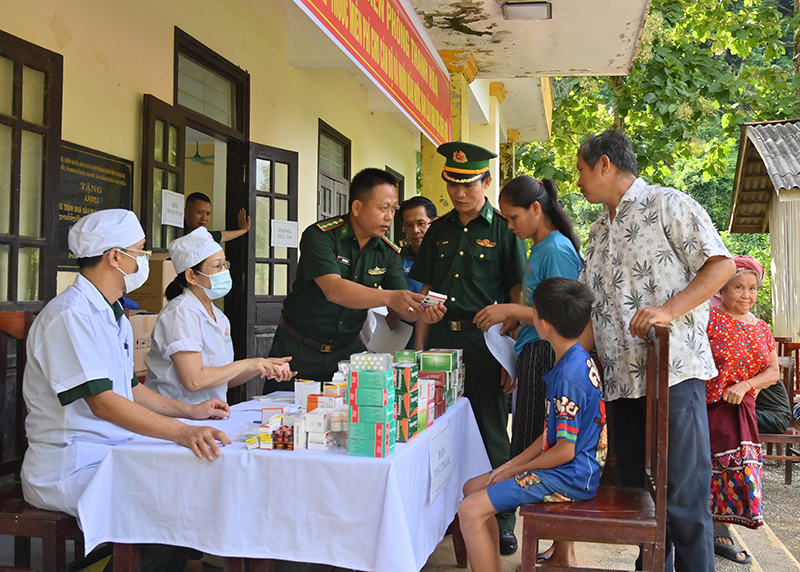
pixel 346 266
pixel 471 256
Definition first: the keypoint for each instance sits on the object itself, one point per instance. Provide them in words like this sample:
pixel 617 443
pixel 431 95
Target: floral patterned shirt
pixel 740 351
pixel 656 244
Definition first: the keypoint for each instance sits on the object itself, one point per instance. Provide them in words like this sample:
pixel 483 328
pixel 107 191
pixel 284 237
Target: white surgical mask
pixel 136 279
pixel 221 284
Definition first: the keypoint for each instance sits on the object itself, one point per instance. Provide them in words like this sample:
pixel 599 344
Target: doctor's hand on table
pixel 202 440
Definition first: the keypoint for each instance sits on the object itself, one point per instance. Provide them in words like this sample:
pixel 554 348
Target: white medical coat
pixel 75 339
pixel 185 326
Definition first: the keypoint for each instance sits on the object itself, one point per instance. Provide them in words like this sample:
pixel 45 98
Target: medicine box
pixel 366 361
pixel 368 396
pixel 444 360
pixel 372 379
pixel 369 448
pixel 300 435
pixel 319 420
pixel 268 412
pixel 329 401
pixel 320 441
pixel 407 403
pixel 459 352
pixel 407 429
pixel 407 356
pixel 369 414
pixel 422 418
pixel 335 389
pixel 304 388
pixel 406 376
pixel 373 431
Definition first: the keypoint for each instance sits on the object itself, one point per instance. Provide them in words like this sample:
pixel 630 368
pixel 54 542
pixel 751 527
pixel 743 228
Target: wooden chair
pixel 618 515
pixel 17 517
pixel 787 444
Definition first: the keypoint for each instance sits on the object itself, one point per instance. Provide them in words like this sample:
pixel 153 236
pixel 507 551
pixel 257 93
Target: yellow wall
pixel 115 51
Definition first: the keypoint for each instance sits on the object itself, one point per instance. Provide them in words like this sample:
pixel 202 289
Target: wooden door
pixel 272 181
pixel 163 156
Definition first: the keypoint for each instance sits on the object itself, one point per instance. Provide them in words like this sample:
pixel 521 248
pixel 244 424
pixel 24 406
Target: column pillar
pixel 508 157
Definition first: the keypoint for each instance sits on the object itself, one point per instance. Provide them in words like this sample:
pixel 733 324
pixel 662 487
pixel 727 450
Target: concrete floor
pixel 775 547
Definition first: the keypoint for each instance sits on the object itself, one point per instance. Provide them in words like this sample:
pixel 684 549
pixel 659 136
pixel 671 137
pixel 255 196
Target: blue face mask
pixel 221 284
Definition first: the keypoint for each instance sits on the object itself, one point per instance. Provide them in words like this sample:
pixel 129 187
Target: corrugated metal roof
pixel 779 147
pixel 768 163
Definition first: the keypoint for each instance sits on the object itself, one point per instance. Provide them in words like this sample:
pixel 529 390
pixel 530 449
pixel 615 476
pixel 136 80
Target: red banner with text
pixel 381 39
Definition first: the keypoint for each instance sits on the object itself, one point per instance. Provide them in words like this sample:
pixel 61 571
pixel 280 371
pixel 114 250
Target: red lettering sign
pixel 383 41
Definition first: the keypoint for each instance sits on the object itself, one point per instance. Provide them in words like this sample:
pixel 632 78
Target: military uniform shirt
pixel 473 265
pixel 331 247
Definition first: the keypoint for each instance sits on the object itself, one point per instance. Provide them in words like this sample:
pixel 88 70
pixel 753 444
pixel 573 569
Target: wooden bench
pixel 787 444
pixel 617 515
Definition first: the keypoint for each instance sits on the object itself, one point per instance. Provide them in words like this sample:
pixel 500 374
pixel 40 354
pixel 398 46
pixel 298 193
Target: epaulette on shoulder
pixel 391 244
pixel 330 224
pixel 497 212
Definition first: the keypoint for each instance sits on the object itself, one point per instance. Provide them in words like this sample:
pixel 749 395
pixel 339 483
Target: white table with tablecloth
pixel 308 506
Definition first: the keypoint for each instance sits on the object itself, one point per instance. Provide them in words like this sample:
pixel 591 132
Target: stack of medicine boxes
pixel 445 368
pixel 372 430
pixel 412 396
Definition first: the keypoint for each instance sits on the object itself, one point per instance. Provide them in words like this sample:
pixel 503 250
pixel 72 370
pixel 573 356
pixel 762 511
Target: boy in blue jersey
pixel 565 462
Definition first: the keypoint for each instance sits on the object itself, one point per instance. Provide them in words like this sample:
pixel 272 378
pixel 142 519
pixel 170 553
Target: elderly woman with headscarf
pixel 746 360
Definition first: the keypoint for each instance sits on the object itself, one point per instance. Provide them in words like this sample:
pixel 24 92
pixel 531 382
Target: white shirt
pixel 185 326
pixel 658 241
pixel 75 339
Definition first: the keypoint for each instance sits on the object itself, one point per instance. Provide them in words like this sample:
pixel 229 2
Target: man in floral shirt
pixel 654 257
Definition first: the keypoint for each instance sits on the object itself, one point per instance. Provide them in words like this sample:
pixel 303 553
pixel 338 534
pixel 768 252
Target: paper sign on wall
pixel 284 233
pixel 171 208
pixel 441 454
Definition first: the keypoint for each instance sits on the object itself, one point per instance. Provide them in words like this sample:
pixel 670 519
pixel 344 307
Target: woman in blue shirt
pixel 533 212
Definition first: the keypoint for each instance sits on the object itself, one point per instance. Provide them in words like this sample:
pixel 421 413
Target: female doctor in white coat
pixel 191 354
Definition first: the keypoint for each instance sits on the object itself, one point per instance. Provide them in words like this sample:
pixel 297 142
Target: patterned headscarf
pixel 749 264
pixel 743 264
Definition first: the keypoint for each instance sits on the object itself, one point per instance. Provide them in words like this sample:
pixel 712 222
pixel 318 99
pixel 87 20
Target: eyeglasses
pixel 219 266
pixel 146 253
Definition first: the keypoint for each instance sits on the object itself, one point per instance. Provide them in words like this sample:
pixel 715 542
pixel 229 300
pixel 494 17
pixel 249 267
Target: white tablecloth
pixel 308 506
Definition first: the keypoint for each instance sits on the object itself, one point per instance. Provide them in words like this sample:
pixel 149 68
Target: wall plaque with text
pixel 90 181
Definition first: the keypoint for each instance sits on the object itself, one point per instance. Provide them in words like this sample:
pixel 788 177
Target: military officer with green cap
pixel 346 267
pixel 471 256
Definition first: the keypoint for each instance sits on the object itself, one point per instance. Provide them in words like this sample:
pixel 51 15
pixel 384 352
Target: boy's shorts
pixel 522 489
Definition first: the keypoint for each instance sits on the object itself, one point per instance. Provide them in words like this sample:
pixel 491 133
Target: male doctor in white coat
pixel 79 386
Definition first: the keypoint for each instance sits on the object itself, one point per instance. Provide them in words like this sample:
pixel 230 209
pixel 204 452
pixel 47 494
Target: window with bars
pixel 30 136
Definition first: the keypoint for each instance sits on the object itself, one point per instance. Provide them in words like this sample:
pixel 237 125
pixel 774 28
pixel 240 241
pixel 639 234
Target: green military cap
pixel 464 162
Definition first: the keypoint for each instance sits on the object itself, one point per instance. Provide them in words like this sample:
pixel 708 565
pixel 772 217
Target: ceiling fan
pixel 198 158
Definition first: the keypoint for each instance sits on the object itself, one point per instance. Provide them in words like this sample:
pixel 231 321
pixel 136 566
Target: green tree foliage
pixel 702 69
pixel 701 65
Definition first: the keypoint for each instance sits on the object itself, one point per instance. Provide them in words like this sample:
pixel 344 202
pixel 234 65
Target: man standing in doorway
pixel 197 212
pixel 347 265
pixel 654 257
pixel 471 256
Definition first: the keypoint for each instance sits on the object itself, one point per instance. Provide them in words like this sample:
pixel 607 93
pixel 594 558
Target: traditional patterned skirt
pixel 736 464
pixel 535 360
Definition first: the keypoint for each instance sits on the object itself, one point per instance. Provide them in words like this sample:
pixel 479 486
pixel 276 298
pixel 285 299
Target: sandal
pixel 729 551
